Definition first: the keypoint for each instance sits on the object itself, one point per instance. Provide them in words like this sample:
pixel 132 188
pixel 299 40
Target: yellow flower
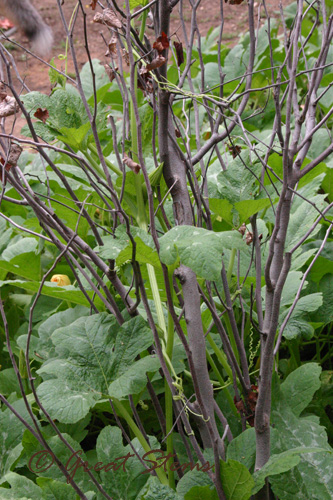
pixel 61 279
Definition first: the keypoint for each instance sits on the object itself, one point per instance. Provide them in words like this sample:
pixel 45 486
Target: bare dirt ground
pixel 35 74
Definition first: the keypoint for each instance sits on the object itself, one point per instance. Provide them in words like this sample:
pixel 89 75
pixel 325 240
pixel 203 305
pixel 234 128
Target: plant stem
pixel 136 431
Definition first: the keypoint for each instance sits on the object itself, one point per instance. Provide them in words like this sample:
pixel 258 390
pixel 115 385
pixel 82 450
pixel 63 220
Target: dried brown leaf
pixel 234 150
pixel 161 43
pixel 131 164
pixel 107 17
pixel 248 238
pixel 179 52
pixel 110 72
pixel 242 229
pixel 93 4
pixel 126 57
pixel 42 114
pixel 112 46
pixel 156 63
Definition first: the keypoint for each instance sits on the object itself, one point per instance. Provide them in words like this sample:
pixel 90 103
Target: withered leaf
pixel 248 238
pixel 131 164
pixel 93 4
pixel 42 114
pixel 112 46
pixel 156 63
pixel 13 156
pixel 234 150
pixel 242 229
pixel 8 106
pixel 161 43
pixel 179 52
pixel 107 17
pixel 145 81
pixel 234 2
pixel 126 57
pixel 110 72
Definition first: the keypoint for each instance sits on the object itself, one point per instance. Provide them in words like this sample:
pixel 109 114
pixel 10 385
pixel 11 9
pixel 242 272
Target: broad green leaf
pixel 297 328
pixel 61 319
pixel 56 490
pixel 321 267
pixel 14 259
pixel 277 464
pixel 154 490
pixel 143 254
pixel 193 479
pixel 201 493
pixel 111 248
pixel 312 477
pixel 126 481
pixel 243 448
pixel 236 480
pixel 11 432
pixel 74 136
pixel 93 351
pixel 302 219
pixel 47 468
pixel 21 488
pixel 299 387
pixel 65 107
pixel 8 382
pixel 238 183
pixel 325 312
pixel 134 379
pixel 246 208
pixel 198 248
pixel 69 293
pixel 222 208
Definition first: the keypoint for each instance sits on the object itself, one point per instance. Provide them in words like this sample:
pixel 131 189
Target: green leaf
pixel 93 351
pixel 243 448
pixel 8 382
pixel 236 480
pixel 299 387
pixel 193 479
pixel 11 432
pixel 21 488
pixel 198 248
pixel 312 477
pixel 56 490
pixel 136 3
pixel 201 493
pixel 134 379
pixel 154 490
pixel 126 481
pixel 238 183
pixel 222 208
pixel 69 293
pixel 14 259
pixel 74 136
pixel 247 208
pixel 277 464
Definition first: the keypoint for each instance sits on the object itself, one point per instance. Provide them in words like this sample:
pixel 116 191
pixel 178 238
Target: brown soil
pixel 35 73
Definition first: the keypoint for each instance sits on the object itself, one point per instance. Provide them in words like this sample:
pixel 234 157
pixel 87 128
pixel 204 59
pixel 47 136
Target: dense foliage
pixel 144 255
